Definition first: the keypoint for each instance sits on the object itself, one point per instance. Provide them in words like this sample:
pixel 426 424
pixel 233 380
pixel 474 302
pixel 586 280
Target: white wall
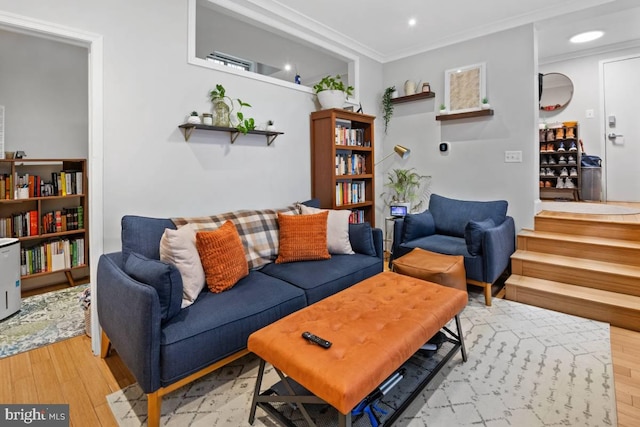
pixel 149 89
pixel 43 86
pixel 474 168
pixel 584 72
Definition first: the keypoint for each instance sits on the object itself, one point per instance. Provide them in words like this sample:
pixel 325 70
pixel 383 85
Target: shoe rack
pixel 560 157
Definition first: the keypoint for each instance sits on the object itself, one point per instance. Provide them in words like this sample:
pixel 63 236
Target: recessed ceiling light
pixel 412 22
pixel 287 67
pixel 586 37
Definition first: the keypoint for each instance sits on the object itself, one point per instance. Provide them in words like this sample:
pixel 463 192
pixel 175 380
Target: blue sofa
pixel 166 349
pixel 479 231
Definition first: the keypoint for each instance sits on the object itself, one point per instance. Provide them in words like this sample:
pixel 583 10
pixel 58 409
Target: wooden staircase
pixel 587 266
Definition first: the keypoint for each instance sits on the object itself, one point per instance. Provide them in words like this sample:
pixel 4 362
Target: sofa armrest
pixel 398 223
pixel 498 245
pixel 378 242
pixel 129 313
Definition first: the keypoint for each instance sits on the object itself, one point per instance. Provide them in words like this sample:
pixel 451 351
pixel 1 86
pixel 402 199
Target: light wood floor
pixel 67 372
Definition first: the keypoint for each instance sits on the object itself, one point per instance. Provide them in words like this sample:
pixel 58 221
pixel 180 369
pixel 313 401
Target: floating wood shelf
pixel 188 128
pixel 467 115
pixel 415 97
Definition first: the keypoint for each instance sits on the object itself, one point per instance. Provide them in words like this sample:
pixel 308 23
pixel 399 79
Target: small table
pixel 375 326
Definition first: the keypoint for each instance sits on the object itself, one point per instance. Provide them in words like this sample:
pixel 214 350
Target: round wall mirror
pixel 555 92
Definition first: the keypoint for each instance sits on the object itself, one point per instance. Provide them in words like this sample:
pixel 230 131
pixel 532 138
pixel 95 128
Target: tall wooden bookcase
pixel 342 162
pixel 43 203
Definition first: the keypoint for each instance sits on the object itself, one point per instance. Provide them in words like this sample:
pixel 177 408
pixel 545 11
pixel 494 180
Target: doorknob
pixel 613 136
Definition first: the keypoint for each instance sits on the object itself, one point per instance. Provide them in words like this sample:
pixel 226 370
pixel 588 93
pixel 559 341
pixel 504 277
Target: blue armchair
pixel 480 231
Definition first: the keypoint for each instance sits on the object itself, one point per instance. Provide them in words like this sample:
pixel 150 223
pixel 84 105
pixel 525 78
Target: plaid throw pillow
pixel 258 230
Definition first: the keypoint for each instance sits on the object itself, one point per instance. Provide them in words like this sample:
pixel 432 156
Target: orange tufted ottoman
pixel 374 326
pixel 447 270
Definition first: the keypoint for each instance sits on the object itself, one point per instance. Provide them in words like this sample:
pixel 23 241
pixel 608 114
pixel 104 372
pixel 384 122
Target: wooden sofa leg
pixel 154 402
pixel 105 345
pixel 487 293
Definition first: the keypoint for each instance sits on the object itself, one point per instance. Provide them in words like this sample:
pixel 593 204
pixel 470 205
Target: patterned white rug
pixel 43 319
pixel 527 367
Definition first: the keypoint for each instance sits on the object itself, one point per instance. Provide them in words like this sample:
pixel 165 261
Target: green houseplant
pixel 387 105
pixel 406 187
pixel 332 92
pixel 222 110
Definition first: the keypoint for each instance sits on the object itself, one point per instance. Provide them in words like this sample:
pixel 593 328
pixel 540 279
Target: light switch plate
pixel 513 156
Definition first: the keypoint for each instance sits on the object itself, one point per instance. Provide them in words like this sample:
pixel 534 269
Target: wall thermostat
pixel 444 147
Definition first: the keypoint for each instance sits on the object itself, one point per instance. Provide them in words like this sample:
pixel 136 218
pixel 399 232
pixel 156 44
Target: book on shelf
pixel 350 192
pixel 345 134
pixel 357 216
pixel 51 256
pixel 350 164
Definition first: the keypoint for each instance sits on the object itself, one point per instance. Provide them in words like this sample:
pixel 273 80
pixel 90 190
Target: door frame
pixel 603 125
pixel 94 44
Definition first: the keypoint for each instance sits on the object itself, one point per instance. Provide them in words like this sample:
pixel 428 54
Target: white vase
pixel 486 106
pixel 331 99
pixel 194 120
pixel 409 87
pixel 444 111
pixel 270 128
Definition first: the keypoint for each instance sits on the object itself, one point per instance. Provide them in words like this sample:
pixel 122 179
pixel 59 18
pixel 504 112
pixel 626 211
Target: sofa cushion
pixel 178 247
pixel 451 216
pixel 303 237
pixel 163 277
pixel 222 257
pixel 417 225
pixel 319 279
pixel 218 325
pixel 473 233
pixel 337 229
pixel 258 231
pixel 361 238
pixel 142 235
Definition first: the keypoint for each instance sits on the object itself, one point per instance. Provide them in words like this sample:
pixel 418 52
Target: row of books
pixel 62 183
pixel 25 224
pixel 349 192
pixel 350 136
pixel 52 256
pixel 350 164
pixel 357 216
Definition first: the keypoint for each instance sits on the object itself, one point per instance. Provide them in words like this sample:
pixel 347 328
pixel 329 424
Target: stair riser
pixel 618 255
pixel 611 230
pixel 616 316
pixel 577 276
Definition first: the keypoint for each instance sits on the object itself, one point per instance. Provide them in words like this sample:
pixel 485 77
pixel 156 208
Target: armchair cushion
pixel 418 225
pixel 451 216
pixel 163 277
pixel 473 234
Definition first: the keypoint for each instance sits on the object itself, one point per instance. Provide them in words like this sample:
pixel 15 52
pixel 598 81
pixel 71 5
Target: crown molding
pixel 589 52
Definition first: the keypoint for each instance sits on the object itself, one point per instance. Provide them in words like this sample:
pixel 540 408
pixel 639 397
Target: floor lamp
pixel 401 151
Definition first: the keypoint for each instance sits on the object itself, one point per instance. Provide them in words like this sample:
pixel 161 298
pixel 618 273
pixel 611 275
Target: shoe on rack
pixel 561 147
pixel 562 160
pixel 543 148
pixel 541 184
pixel 551 147
pixel 550 135
pixel 560 183
pixel 564 172
pixel 547 184
pixel 550 172
pixel 572 160
pixel 573 172
pixel 543 172
pixel 559 133
pixel 543 135
pixel 552 160
pixel 568 183
pixel 569 133
pixel 544 161
pixel 573 147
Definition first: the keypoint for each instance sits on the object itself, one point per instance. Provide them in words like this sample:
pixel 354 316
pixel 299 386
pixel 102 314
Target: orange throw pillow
pixel 222 256
pixel 302 237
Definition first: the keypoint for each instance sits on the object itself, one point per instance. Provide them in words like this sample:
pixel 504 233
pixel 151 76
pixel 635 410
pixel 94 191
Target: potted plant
pixel 270 126
pixel 222 110
pixel 387 105
pixel 443 109
pixel 405 188
pixel 331 92
pixel 485 103
pixel 194 119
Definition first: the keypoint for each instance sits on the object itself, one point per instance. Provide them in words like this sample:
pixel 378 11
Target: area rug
pixel 43 319
pixel 589 208
pixel 527 366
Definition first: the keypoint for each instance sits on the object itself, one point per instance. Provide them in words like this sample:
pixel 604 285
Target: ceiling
pixel 381 31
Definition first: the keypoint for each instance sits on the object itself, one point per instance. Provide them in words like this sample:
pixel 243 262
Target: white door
pixel 621 85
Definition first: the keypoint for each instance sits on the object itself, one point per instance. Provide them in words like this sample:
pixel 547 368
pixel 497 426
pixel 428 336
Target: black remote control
pixel 316 340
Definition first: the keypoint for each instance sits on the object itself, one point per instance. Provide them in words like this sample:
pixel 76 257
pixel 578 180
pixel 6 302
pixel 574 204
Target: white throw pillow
pixel 178 247
pixel 337 229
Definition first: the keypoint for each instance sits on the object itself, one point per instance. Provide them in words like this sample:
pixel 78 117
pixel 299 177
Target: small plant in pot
pixel 387 105
pixel 331 92
pixel 443 109
pixel 222 110
pixel 408 187
pixel 270 126
pixel 485 103
pixel 194 119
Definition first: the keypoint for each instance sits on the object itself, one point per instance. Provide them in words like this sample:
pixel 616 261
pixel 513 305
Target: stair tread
pixel 591 240
pixel 574 291
pixel 585 264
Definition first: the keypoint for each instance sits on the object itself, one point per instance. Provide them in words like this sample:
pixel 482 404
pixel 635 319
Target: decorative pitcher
pixel 410 87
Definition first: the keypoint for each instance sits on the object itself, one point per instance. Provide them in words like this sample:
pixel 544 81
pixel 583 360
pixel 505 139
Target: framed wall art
pixel 465 87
